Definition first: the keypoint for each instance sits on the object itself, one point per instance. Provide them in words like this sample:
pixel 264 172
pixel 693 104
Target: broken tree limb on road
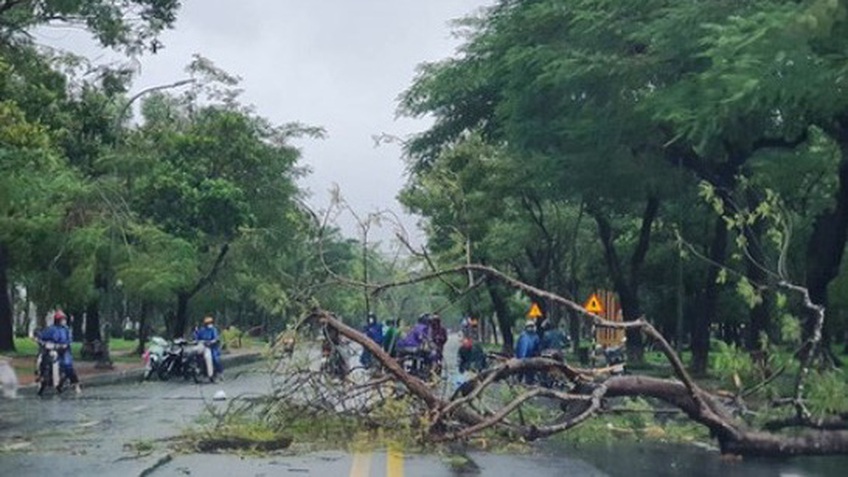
pixel 462 415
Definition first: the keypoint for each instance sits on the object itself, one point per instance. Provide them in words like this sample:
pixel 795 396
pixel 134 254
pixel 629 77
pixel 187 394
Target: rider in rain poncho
pixel 374 330
pixel 60 334
pixel 209 333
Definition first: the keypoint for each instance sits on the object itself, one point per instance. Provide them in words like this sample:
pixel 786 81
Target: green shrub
pixel 231 338
pixel 733 366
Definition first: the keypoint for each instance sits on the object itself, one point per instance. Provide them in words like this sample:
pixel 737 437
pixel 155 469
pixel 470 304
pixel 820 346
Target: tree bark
pixel 7 336
pixel 827 241
pixel 760 314
pixel 180 324
pixel 703 317
pixel 504 321
pixel 77 331
pixel 143 320
pixel 627 284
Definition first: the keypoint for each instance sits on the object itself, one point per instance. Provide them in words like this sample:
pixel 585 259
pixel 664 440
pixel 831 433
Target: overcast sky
pixel 338 64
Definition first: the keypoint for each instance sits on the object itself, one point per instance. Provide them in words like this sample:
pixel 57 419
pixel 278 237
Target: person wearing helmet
pixel 439 336
pixel 60 334
pixel 528 347
pixel 209 333
pixel 471 356
pixel 374 330
pixel 390 337
pixel 418 336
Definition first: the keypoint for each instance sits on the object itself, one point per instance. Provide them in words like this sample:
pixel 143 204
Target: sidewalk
pixel 90 375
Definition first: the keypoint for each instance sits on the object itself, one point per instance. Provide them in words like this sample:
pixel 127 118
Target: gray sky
pixel 339 64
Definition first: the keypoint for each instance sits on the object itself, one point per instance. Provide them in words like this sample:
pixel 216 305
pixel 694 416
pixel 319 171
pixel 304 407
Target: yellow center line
pixel 394 463
pixel 361 465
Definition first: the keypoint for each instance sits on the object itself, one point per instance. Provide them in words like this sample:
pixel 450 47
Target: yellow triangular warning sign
pixel 593 305
pixel 535 311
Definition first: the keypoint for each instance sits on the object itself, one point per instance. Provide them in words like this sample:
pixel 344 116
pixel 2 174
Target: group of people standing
pixel 427 336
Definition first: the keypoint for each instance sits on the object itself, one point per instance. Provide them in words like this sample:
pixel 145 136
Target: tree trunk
pixel 7 336
pixel 827 242
pixel 500 306
pixel 76 317
pixel 627 285
pixel 143 320
pixel 180 324
pixel 92 322
pixel 704 316
pixel 760 316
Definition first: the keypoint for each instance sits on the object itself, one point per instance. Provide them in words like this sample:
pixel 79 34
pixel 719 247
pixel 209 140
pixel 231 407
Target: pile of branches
pixel 466 413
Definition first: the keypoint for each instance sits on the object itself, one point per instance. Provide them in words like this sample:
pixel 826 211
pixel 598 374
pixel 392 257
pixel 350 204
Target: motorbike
pixel 333 362
pixel 417 362
pixel 554 380
pixel 614 356
pixel 48 370
pixel 203 365
pixel 177 361
pixel 154 356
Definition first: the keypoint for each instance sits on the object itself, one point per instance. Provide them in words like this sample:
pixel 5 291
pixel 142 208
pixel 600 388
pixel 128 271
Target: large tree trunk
pixel 501 309
pixel 76 317
pixel 7 336
pixel 627 284
pixel 178 327
pixel 703 317
pixel 143 320
pixel 760 314
pixel 827 242
pixel 180 324
pixel 92 322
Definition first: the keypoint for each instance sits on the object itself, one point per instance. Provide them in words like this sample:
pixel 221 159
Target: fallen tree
pixel 467 413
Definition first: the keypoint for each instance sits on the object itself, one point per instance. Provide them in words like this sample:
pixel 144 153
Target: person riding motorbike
pixel 416 344
pixel 418 336
pixel 208 334
pixel 59 334
pixel 374 330
pixel 553 341
pixel 439 336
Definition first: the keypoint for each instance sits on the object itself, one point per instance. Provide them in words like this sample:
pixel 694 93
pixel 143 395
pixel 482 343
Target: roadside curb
pixel 135 374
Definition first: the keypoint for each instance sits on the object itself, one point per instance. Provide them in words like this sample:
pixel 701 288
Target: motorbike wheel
pixel 164 370
pixel 190 371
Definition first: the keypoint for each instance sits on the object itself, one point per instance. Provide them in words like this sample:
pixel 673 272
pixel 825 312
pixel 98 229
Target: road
pixel 99 432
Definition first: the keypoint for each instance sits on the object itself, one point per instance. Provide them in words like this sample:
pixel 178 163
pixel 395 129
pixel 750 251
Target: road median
pixel 123 374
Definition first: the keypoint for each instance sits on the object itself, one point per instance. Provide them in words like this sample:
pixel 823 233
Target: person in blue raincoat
pixel 60 334
pixel 528 347
pixel 209 333
pixel 374 330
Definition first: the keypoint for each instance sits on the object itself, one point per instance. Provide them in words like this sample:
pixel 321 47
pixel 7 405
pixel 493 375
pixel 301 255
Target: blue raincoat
pixel 60 335
pixel 210 333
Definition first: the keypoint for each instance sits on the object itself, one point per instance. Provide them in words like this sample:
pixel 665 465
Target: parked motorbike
pixel 177 361
pixel 154 356
pixel 48 370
